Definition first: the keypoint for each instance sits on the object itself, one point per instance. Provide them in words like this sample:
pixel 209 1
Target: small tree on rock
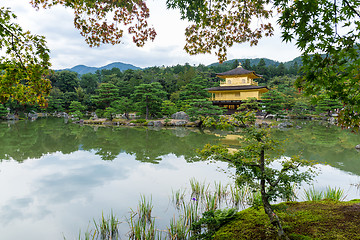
pixel 254 166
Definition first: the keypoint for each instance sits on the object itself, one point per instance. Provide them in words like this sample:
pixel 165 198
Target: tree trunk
pixel 265 199
pixel 147 108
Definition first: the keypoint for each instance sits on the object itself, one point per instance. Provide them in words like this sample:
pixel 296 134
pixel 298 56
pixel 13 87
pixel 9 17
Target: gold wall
pixel 238 95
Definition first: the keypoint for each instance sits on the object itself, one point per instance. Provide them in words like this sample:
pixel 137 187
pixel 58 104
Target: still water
pixel 56 177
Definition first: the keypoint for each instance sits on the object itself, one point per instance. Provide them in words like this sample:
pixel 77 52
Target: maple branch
pixel 352 9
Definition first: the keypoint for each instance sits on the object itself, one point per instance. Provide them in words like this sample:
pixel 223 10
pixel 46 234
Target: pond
pixel 55 178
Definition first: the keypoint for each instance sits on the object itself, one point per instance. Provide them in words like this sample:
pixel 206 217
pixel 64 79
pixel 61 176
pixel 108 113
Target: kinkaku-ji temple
pixel 237 85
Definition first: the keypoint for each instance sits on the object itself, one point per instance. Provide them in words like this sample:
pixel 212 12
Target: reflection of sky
pixel 59 194
pixel 326 176
pixel 335 178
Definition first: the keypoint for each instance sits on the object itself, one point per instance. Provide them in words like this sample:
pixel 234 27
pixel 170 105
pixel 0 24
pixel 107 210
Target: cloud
pixel 68 47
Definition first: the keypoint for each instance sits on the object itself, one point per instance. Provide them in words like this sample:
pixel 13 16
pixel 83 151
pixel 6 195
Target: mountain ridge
pixel 255 61
pixel 83 69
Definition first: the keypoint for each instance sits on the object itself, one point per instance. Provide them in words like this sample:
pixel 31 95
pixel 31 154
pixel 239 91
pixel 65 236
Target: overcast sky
pixel 68 47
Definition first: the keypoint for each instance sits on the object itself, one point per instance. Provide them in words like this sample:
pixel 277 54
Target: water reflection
pixel 63 181
pixel 317 141
pixel 26 140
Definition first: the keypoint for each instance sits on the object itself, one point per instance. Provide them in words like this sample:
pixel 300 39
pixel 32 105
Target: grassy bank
pixel 325 219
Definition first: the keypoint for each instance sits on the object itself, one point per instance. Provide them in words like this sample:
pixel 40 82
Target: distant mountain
pixel 82 69
pixel 255 62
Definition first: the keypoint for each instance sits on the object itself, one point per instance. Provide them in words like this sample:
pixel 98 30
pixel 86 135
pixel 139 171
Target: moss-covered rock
pixel 300 220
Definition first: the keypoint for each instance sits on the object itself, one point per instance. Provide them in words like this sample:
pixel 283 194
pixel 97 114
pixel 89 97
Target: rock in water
pixel 285 125
pixel 180 116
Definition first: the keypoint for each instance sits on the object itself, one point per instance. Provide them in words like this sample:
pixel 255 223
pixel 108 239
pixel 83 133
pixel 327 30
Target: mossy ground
pixel 300 220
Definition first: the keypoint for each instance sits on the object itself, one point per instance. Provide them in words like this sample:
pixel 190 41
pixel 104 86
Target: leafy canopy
pixel 326 31
pixel 25 60
pixel 101 21
pixel 23 63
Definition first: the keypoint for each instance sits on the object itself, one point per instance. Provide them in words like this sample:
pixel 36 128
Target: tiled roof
pixel 229 88
pixel 238 71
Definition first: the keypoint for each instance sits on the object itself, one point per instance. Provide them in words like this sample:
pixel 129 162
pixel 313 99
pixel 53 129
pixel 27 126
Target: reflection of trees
pixel 25 140
pixel 316 141
pixel 146 145
pixel 323 143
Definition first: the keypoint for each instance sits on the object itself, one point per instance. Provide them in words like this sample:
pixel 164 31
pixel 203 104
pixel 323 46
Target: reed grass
pixel 178 230
pixel 254 199
pixel 198 189
pixel 178 198
pixel 313 195
pixel 141 222
pixel 335 194
pixel 239 196
pixel 190 205
pixel 106 228
pixel 211 202
pixel 221 191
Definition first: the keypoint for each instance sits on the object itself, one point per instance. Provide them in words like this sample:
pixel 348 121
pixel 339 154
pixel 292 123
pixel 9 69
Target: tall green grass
pixel 203 197
pixel 104 229
pixel 335 194
pixel 107 228
pixel 193 206
pixel 141 221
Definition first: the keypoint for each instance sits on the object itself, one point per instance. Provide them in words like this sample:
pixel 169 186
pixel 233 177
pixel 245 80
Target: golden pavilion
pixel 236 86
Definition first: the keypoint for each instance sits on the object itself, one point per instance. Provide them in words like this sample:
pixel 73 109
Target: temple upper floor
pixel 238 81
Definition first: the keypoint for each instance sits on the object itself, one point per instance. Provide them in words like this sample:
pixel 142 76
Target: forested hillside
pixel 161 91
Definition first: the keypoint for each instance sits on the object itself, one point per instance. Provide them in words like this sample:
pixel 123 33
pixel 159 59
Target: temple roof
pixel 238 71
pixel 241 87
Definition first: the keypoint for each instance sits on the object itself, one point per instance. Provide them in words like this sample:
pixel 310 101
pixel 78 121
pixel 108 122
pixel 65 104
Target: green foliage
pixel 76 106
pixel 327 32
pixel 327 105
pixel 217 25
pixel 250 104
pixel 273 102
pixel 141 221
pixel 168 108
pixel 24 64
pixel 107 228
pixel 89 83
pixel 139 121
pixel 3 111
pixel 254 166
pixel 210 222
pixel 335 194
pixel 66 81
pixel 76 109
pixel 301 107
pixel 99 112
pixel 148 98
pixel 107 93
pixel 110 113
pixel 195 89
pixel 123 105
pixel 202 108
